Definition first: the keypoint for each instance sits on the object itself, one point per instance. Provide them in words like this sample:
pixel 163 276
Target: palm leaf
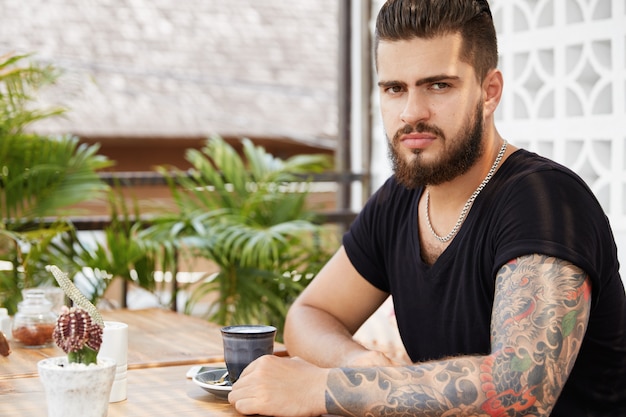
pixel 19 85
pixel 41 175
pixel 246 216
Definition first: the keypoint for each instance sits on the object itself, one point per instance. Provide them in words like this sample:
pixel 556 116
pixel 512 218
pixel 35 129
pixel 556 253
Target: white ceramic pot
pixel 74 390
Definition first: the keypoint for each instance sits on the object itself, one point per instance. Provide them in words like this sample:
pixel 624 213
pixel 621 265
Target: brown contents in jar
pixel 5 349
pixel 34 335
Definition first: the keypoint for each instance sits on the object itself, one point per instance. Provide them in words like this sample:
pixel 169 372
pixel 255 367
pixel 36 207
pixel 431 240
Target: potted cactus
pixel 79 384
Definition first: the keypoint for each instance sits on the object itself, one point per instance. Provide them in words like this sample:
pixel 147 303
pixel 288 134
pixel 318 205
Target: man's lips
pixel 417 140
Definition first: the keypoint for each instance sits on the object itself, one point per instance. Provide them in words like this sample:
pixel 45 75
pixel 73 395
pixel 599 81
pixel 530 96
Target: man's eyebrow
pixel 421 81
pixel 437 78
pixel 385 84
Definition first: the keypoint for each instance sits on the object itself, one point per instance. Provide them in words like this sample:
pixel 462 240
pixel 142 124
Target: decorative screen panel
pixel 564 64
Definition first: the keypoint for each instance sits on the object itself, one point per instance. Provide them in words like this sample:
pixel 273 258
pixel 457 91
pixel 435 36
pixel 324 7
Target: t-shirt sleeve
pixel 553 212
pixel 362 241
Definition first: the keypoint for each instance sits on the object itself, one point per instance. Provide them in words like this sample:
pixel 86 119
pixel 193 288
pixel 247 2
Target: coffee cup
pixel 243 344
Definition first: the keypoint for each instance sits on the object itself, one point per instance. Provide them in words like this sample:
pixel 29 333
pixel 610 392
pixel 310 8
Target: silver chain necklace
pixel 468 203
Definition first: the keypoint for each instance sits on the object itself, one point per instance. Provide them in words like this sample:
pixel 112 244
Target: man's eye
pixel 395 89
pixel 439 86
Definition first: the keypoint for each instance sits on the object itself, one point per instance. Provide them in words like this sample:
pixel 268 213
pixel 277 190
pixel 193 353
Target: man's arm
pixel 540 315
pixel 321 322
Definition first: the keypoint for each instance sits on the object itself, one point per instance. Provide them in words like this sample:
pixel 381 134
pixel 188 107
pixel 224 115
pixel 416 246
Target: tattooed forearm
pixel 434 389
pixel 539 318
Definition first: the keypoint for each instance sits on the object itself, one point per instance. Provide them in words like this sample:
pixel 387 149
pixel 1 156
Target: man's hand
pixel 280 387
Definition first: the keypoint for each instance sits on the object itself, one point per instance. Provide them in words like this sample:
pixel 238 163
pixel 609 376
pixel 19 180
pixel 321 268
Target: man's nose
pixel 415 110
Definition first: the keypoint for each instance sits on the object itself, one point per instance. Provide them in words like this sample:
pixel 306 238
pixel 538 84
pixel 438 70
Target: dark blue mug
pixel 243 344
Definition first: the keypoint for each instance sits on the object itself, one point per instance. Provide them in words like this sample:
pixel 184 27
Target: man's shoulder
pixel 391 200
pixel 524 159
pixel 523 163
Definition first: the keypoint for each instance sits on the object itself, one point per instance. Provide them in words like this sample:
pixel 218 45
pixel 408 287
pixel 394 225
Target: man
pixel 501 264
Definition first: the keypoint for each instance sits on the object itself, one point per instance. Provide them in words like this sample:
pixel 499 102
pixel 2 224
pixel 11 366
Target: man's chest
pixel 430 248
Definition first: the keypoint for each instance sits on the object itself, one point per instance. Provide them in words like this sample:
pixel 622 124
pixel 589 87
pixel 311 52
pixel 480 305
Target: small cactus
pixel 78 335
pixel 78 330
pixel 74 294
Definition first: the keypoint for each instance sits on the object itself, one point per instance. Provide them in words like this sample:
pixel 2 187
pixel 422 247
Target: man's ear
pixel 492 91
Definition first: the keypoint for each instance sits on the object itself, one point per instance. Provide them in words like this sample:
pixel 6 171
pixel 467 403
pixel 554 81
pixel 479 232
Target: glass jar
pixel 33 324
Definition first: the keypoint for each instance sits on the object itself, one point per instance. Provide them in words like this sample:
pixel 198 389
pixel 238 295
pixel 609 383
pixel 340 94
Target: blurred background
pixel 148 80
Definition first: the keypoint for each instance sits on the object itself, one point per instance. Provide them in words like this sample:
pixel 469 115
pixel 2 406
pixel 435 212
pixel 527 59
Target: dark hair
pixel 409 19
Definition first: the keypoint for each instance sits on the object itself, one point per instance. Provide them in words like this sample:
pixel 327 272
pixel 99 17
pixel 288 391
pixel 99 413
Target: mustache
pixel 421 127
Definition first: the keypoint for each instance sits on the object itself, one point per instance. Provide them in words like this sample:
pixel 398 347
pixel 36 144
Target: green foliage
pixel 18 84
pixel 26 251
pixel 249 217
pixel 40 177
pixel 38 174
pixel 120 254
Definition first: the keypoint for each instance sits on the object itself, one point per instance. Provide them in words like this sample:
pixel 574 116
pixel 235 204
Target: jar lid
pixel 34 302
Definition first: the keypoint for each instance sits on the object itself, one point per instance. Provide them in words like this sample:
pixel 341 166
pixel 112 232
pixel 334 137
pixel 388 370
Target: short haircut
pixel 427 19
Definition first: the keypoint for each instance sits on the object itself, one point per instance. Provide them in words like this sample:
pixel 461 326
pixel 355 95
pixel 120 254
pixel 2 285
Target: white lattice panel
pixel 564 63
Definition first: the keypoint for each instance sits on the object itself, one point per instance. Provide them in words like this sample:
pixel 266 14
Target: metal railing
pixel 340 215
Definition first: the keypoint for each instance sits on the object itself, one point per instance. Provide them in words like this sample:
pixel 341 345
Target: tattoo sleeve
pixel 539 318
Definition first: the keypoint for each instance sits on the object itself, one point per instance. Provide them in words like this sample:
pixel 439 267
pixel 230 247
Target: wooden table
pixel 162 346
pixel 152 392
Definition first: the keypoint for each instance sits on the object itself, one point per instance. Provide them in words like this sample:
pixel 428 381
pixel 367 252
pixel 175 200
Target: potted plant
pixel 79 384
pixel 41 177
pixel 248 215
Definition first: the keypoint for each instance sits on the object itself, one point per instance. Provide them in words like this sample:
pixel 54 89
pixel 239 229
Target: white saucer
pixel 209 381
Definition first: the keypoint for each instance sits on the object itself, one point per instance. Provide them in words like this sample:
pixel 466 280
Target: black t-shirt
pixel 531 205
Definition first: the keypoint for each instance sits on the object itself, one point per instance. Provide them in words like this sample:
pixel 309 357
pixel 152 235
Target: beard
pixel 465 149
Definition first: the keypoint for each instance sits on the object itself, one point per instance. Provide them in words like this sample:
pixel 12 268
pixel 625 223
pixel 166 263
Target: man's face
pixel 432 109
